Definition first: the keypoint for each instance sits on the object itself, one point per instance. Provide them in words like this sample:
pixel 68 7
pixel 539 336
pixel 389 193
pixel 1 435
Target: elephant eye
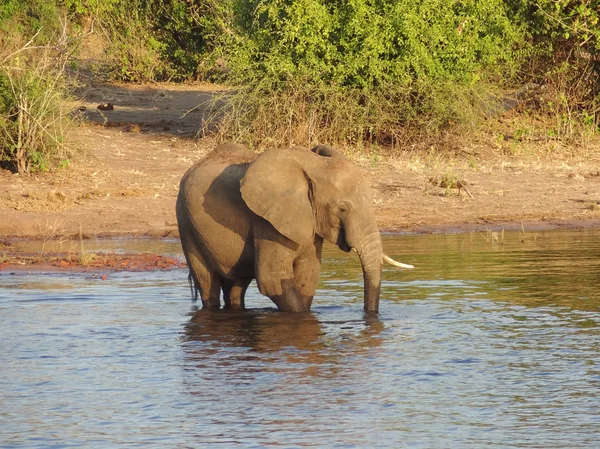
pixel 343 211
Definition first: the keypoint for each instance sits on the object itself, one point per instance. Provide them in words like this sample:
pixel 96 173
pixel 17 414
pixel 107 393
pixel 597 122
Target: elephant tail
pixel 193 287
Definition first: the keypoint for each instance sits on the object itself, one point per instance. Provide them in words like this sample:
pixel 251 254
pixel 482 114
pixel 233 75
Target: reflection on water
pixel 558 268
pixel 298 340
pixel 489 342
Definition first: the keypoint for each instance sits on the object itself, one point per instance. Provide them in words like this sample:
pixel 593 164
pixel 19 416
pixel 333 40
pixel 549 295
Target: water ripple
pixel 481 346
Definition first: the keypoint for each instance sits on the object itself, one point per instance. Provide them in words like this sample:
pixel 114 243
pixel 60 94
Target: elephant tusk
pixel 391 261
pixel 395 263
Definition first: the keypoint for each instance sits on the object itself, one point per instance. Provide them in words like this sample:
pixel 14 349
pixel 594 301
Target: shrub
pixel 157 39
pixel 33 118
pixel 565 59
pixel 20 18
pixel 194 34
pixel 364 70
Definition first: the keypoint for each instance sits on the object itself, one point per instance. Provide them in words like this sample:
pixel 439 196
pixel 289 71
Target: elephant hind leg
pixel 234 292
pixel 210 292
pixel 207 282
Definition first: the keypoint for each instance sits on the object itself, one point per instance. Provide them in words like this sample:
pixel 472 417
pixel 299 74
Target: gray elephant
pixel 244 217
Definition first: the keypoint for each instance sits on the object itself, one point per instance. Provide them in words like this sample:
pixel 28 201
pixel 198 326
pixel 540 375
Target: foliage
pixel 194 34
pixel 134 51
pixel 364 44
pixel 564 61
pixel 19 18
pixel 158 39
pixel 555 23
pixel 33 119
pixel 372 67
pixel 360 71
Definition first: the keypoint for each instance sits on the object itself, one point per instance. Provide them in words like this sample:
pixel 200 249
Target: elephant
pixel 243 217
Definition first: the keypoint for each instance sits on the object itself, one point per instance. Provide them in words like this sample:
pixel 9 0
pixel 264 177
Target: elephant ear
pixel 276 188
pixel 327 151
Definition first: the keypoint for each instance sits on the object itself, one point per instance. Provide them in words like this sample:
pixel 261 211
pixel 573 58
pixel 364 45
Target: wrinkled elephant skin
pixel 243 217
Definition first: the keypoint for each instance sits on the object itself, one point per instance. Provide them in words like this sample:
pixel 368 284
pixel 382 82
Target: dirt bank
pixel 132 158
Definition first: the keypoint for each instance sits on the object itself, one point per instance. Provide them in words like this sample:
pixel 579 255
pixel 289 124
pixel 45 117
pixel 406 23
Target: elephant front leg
pixel 275 279
pixel 307 268
pixel 290 299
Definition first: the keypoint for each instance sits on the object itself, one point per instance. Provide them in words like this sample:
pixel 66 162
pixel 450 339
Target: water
pixel 493 341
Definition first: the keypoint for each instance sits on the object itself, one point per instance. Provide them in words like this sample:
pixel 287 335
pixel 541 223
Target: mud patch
pixel 97 261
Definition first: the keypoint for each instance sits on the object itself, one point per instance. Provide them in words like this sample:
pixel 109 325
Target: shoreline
pixel 443 228
pixel 14 260
pixel 124 179
pixel 508 226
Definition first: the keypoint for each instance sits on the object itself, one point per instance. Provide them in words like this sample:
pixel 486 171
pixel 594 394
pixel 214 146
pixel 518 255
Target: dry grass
pixel 300 113
pixel 34 119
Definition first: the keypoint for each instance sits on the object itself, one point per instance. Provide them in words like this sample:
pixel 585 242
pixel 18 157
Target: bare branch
pixel 27 46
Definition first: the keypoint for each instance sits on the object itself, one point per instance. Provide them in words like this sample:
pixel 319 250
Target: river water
pixel 492 341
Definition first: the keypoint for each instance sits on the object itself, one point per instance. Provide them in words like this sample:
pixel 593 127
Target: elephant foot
pixel 292 301
pixel 286 306
pixel 234 306
pixel 208 305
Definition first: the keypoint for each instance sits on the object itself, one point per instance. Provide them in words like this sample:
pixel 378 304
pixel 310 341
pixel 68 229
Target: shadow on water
pixel 254 330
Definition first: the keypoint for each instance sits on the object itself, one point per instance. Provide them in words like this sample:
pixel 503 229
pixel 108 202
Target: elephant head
pixel 310 195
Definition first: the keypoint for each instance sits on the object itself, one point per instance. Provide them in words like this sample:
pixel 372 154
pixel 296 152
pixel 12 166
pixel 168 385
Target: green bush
pixel 194 34
pixel 374 68
pixel 364 44
pixel 33 118
pixel 565 59
pixel 20 18
pixel 133 51
pixel 353 72
pixel 559 24
pixel 158 39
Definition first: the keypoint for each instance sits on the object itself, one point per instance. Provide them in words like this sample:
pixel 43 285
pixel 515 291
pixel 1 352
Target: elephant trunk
pixel 370 252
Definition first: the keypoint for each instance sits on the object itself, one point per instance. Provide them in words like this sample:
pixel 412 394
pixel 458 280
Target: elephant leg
pixel 290 300
pixel 234 292
pixel 205 280
pixel 209 284
pixel 210 291
pixel 306 272
pixel 275 278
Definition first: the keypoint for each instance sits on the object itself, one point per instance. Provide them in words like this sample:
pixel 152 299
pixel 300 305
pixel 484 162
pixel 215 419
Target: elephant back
pixel 228 154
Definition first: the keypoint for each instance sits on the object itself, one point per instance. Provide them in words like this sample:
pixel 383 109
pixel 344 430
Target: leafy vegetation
pixel 365 71
pixel 163 40
pixel 563 65
pixel 33 118
pixel 354 72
